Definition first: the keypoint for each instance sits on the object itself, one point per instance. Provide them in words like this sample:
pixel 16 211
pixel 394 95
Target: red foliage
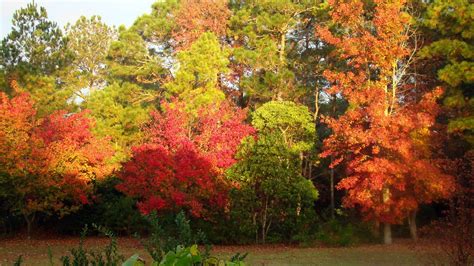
pixel 194 17
pixel 183 162
pixel 384 137
pixel 52 160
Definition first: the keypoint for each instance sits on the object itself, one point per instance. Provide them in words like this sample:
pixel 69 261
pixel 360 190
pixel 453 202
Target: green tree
pixel 452 24
pixel 143 53
pixel 30 57
pixel 35 44
pixel 131 60
pixel 200 71
pixel 264 35
pixel 88 41
pixel 119 114
pixel 272 191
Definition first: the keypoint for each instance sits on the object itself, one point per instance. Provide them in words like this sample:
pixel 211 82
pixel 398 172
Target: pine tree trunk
pixel 387 234
pixel 412 225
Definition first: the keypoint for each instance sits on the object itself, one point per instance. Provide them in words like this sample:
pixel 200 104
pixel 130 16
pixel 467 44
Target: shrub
pixel 165 237
pixel 110 209
pixel 108 256
pixel 189 256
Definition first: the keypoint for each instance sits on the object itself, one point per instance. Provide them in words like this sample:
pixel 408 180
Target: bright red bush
pixel 182 164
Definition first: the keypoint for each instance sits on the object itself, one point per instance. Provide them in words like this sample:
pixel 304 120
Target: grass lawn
pixel 35 252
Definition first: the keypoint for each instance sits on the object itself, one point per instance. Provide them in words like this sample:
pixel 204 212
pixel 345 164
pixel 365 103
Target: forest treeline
pixel 264 121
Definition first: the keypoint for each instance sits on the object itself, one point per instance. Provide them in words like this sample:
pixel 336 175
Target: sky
pixel 113 12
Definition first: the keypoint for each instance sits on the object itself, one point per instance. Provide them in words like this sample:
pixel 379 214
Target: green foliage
pixel 88 41
pixel 199 72
pixel 272 190
pixel 47 94
pixel 336 233
pixel 182 256
pixel 120 112
pixel 269 37
pixel 32 54
pixel 109 256
pixel 111 209
pixel 452 24
pixel 18 261
pixel 188 256
pixel 164 237
pixel 291 121
pixel 157 27
pixel 35 44
pixel 131 60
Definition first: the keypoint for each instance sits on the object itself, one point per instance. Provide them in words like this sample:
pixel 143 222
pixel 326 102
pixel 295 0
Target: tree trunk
pixel 376 229
pixel 264 222
pixel 29 224
pixel 332 189
pixel 387 234
pixel 333 107
pixel 412 225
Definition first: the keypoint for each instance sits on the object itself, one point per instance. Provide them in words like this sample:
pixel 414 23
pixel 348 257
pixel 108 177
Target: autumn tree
pixel 271 190
pixel 48 165
pixel 181 164
pixel 195 17
pixel 384 136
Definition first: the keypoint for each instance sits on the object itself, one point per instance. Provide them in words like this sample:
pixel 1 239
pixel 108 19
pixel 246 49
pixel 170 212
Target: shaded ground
pixel 35 252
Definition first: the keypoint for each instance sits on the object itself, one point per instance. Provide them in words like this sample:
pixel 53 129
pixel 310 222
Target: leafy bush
pixel 335 233
pixel 272 194
pixel 111 209
pixel 164 237
pixel 187 256
pixel 344 232
pixel 109 256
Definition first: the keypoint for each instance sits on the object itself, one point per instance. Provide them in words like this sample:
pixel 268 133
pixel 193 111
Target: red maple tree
pixel 384 136
pixel 182 163
pixel 48 165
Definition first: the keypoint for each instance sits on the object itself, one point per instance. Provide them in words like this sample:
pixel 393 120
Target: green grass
pixel 35 252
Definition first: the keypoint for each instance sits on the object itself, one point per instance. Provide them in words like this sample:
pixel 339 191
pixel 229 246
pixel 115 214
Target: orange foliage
pixel 384 138
pixel 195 17
pixel 52 160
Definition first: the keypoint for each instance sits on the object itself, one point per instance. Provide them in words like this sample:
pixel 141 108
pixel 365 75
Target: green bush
pixel 165 237
pixel 187 256
pixel 80 256
pixel 340 232
pixel 335 233
pixel 110 209
pixel 273 199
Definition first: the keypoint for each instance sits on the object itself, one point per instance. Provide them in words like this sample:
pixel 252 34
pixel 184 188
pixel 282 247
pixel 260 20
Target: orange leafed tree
pixel 48 165
pixel 383 139
pixel 194 17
